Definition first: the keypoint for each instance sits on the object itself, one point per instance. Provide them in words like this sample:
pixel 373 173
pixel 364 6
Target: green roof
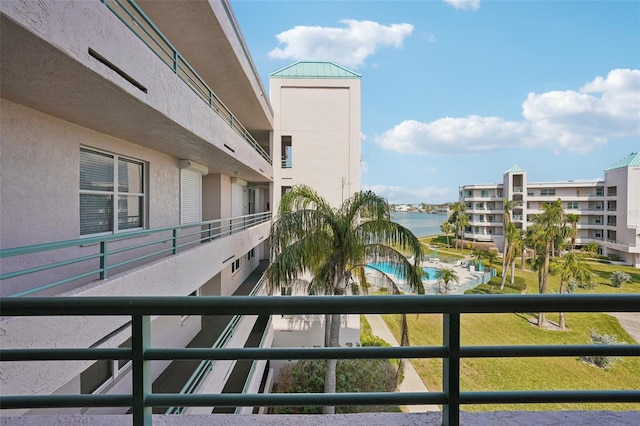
pixel 314 69
pixel 632 159
pixel 515 169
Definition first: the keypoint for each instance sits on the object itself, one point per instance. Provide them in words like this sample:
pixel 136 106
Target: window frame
pixel 115 193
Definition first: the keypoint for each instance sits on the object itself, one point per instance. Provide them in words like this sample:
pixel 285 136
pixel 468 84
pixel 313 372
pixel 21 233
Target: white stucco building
pixel 316 129
pixel 609 208
pixel 135 160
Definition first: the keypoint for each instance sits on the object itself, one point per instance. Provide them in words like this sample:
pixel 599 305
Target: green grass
pixel 517 329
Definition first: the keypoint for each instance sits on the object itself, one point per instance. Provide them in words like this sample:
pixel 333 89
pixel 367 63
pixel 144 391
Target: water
pixel 421 224
pixel 387 269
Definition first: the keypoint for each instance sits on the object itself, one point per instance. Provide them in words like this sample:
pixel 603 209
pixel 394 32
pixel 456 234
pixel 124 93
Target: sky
pixel 455 92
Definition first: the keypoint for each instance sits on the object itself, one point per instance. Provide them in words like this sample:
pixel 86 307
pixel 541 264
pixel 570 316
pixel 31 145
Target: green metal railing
pixel 141 353
pixel 138 22
pixel 204 368
pixel 132 247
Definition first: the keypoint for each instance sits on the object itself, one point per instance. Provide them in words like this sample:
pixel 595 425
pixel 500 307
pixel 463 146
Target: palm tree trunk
pixel 327 330
pixel 513 269
pixel 544 278
pixel 330 377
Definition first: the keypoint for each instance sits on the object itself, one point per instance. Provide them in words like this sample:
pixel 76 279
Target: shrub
pixel 352 375
pixel 602 361
pixel 574 285
pixel 619 278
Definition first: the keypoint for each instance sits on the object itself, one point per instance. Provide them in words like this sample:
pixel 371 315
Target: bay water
pixel 421 224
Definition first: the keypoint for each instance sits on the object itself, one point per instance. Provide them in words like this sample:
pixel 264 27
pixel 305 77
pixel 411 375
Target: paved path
pixel 630 321
pixel 412 381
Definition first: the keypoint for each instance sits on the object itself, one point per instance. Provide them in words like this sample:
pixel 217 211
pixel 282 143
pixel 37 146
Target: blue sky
pixel 455 92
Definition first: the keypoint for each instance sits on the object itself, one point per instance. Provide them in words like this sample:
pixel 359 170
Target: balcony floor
pixel 511 418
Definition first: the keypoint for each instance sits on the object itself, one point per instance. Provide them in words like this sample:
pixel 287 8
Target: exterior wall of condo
pixel 317 139
pixel 608 209
pixel 316 131
pixel 61 105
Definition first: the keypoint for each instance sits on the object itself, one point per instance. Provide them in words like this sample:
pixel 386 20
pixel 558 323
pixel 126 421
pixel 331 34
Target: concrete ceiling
pixel 38 75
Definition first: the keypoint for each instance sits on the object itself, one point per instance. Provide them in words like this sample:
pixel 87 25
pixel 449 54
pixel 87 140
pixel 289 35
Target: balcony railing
pixel 96 256
pixel 138 22
pixel 141 309
pixel 286 163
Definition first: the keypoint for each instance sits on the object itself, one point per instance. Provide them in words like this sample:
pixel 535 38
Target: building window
pixel 484 193
pixel 468 205
pixel 572 205
pixel 251 254
pixel 479 206
pixel 285 189
pixel 468 193
pixel 286 153
pixel 235 266
pixel 599 191
pixel 546 192
pixel 111 193
pixel 612 190
pixel 530 192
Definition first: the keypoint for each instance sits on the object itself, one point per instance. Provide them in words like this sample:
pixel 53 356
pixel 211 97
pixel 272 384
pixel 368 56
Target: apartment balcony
pixel 105 66
pixel 115 264
pixel 142 399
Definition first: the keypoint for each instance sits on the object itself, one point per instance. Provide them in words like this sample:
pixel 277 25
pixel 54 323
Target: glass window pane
pixel 96 171
pixel 129 176
pixel 130 211
pixel 96 213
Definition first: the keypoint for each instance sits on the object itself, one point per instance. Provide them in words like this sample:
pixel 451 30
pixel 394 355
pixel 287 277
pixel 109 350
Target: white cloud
pixel 577 121
pixel 403 194
pixel 349 45
pixel 464 4
pixel 452 135
pixel 580 121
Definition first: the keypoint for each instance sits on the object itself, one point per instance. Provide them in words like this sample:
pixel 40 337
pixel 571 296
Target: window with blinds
pixel 111 193
pixel 190 196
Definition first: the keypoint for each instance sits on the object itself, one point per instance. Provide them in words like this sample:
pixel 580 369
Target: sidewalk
pixel 412 381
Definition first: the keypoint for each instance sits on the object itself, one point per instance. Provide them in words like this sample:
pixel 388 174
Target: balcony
pixel 141 354
pixel 66 265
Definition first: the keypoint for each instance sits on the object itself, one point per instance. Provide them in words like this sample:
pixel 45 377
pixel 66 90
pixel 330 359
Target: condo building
pixel 609 208
pixel 140 156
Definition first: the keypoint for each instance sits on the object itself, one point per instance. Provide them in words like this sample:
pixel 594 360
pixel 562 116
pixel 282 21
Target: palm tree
pixel 509 255
pixel 509 235
pixel 447 275
pixel 575 268
pixel 447 228
pixel 458 218
pixel 548 229
pixel 334 245
pixel 573 219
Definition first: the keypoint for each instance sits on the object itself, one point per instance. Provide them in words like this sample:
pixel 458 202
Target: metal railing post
pixel 140 341
pixel 175 241
pixel 451 369
pixel 103 260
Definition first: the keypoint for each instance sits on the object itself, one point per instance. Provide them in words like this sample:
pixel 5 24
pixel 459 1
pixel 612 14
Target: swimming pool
pixel 387 269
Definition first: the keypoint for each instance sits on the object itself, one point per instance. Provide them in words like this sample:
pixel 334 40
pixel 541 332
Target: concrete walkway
pixel 630 321
pixel 412 381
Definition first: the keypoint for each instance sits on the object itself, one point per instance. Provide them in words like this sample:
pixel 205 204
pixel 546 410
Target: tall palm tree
pixel 548 229
pixel 509 235
pixel 573 219
pixel 447 228
pixel 573 267
pixel 509 255
pixel 458 218
pixel 334 245
pixel 447 275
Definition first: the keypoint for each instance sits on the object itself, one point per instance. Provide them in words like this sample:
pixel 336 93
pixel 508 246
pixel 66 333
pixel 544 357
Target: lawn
pixel 517 329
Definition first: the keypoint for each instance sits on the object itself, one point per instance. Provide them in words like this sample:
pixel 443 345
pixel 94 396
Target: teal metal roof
pixel 314 69
pixel 515 169
pixel 632 159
